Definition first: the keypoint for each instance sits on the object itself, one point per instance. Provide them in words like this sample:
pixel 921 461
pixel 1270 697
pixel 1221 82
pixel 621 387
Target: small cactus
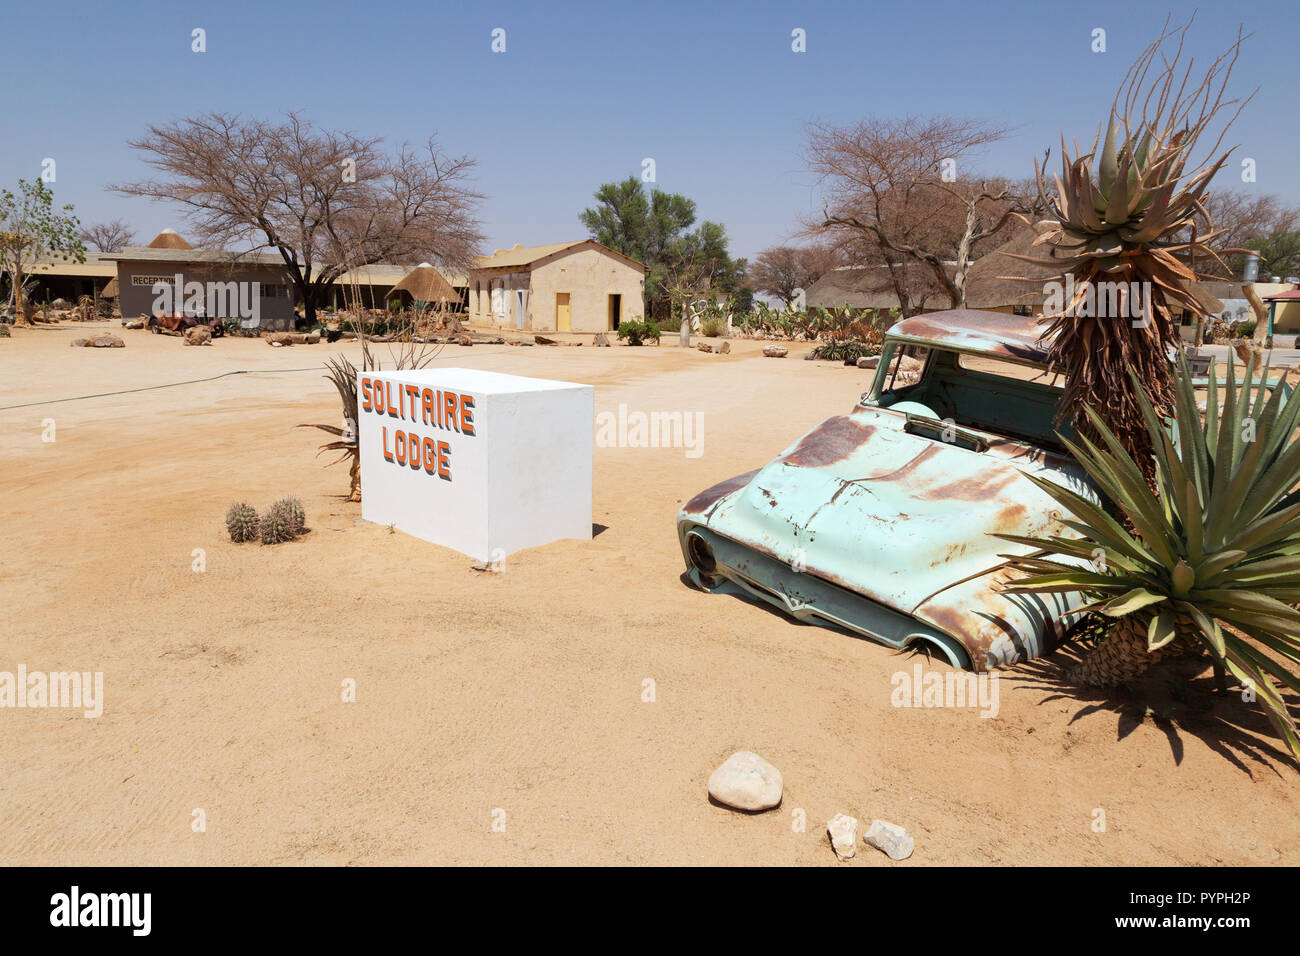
pixel 241 522
pixel 277 524
pixel 297 517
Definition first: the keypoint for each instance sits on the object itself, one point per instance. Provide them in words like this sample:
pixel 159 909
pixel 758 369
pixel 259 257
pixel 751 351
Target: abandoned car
pixel 882 521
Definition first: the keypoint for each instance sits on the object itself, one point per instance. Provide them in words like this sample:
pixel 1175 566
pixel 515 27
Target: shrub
pixel 713 326
pixel 1247 330
pixel 635 332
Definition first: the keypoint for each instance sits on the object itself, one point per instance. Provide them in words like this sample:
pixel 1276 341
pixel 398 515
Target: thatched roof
pixel 169 239
pixel 109 291
pixel 870 287
pixel 424 283
pixel 997 279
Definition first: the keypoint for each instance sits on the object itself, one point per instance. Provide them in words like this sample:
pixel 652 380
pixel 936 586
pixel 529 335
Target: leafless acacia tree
pixel 112 236
pixel 781 270
pixel 890 182
pixel 327 201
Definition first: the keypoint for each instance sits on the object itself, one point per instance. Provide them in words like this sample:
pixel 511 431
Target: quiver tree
pixel 1129 215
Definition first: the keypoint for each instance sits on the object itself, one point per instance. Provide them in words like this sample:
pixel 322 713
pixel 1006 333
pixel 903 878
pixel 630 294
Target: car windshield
pixel 990 395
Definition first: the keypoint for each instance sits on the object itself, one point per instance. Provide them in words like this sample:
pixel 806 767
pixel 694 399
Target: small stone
pixel 107 342
pixel 313 336
pixel 279 339
pixel 869 361
pixel 198 335
pixel 746 781
pixel 890 839
pixel 79 343
pixel 602 340
pixel 704 347
pixel 724 348
pixel 543 340
pixel 844 835
pixel 464 340
pixel 775 351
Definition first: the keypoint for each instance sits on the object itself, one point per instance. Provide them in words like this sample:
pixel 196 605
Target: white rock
pixel 775 351
pixel 844 835
pixel 869 361
pixel 746 781
pixel 890 839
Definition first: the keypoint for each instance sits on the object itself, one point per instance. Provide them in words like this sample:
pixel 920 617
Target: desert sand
pixel 520 692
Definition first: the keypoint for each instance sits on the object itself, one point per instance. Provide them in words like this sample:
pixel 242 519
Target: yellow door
pixel 562 319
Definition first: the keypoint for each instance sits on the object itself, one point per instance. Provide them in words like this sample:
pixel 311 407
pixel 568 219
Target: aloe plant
pixel 1209 559
pixel 1132 215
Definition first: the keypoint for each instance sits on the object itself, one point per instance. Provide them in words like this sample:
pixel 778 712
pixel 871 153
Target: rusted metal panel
pixel 1013 338
pixel 903 520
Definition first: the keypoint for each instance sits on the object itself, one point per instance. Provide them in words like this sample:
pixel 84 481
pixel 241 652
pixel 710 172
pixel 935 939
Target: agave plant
pixel 343 375
pixel 1212 560
pixel 1130 215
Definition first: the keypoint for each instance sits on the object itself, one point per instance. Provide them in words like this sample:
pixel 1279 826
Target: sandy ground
pixel 520 692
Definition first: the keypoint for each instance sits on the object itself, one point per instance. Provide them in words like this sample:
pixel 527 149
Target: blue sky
pixel 585 91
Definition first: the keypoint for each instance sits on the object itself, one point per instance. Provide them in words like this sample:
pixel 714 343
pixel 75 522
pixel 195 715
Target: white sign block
pixel 482 462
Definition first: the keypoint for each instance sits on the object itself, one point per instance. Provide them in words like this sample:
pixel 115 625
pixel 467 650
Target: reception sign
pixel 481 462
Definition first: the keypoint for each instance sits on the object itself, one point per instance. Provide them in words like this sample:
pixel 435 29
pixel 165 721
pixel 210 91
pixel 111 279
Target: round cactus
pixel 297 517
pixel 277 524
pixel 241 522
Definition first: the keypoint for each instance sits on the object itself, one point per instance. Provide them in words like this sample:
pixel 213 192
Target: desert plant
pixel 637 332
pixel 407 350
pixel 242 522
pixel 1133 215
pixel 713 326
pixel 276 524
pixel 297 517
pixel 1214 552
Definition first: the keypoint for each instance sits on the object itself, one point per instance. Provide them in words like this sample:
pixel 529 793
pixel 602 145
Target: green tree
pixel 30 228
pixel 642 226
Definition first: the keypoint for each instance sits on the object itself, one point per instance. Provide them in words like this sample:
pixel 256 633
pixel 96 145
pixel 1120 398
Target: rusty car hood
pixel 895 516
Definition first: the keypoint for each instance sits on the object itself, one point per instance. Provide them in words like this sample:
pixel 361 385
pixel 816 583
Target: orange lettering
pixel 449 405
pixel 467 414
pixel 444 461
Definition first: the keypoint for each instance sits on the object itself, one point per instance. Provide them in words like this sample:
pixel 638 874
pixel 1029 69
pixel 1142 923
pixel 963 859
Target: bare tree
pixel 896 184
pixel 327 201
pixel 1237 220
pixel 782 270
pixel 112 236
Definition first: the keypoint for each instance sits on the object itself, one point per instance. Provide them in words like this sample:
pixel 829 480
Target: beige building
pixel 577 286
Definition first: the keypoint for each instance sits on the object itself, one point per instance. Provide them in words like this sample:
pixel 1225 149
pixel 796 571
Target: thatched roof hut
pixel 169 239
pixel 997 279
pixel 424 284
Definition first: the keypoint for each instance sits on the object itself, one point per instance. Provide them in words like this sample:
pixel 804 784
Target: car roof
pixel 1014 338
